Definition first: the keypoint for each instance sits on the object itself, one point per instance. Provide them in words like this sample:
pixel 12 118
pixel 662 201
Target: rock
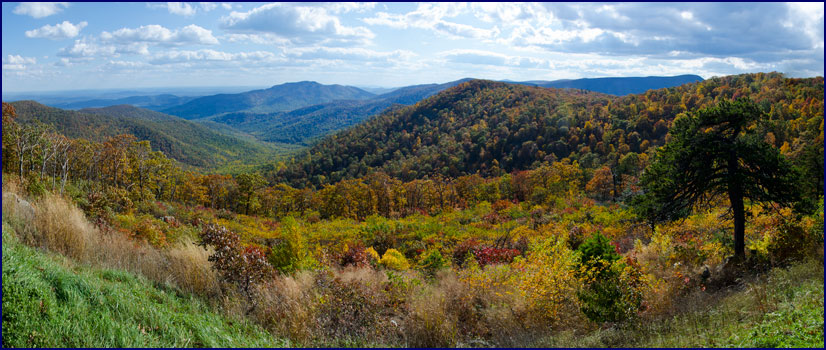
pixel 170 220
pixel 22 208
pixel 706 273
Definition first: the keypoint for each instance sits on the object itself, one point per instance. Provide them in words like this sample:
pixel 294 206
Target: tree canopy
pixel 718 151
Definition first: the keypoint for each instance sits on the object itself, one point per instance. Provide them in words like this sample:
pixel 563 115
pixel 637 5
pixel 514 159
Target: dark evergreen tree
pixel 716 152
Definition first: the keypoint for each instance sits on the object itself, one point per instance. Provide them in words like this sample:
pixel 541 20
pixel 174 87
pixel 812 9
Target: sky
pixel 71 46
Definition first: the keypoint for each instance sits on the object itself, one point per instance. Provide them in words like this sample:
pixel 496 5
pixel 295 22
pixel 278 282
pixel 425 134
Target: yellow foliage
pixel 546 278
pixel 394 259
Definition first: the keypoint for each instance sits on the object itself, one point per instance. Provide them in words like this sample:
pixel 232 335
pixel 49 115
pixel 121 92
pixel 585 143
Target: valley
pixel 473 212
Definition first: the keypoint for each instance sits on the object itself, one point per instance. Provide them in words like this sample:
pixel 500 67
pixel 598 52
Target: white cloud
pixel 86 48
pixel 58 31
pixel 155 34
pixel 808 17
pixel 299 24
pixel 481 57
pixel 226 6
pixel 259 38
pixel 431 16
pixel 212 55
pixel 17 62
pixel 180 8
pixel 344 7
pixel 350 54
pixel 207 6
pixel 39 9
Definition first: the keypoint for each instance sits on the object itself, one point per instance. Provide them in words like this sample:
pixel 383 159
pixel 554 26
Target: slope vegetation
pixel 185 141
pixel 491 127
pixel 48 301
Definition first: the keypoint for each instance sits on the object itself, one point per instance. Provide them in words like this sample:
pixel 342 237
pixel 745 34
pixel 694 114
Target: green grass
pixel 781 309
pixel 48 301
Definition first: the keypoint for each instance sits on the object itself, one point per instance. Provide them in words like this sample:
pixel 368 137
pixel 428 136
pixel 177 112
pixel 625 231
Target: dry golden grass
pixel 190 270
pixel 63 228
pixel 58 225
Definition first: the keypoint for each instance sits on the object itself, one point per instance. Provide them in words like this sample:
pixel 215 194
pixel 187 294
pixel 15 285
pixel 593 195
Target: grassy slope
pixel 50 302
pixel 782 309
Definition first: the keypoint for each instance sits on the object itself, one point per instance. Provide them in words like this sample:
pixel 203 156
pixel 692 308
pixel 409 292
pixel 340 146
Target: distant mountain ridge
pixel 303 125
pixel 279 98
pixel 620 86
pixel 153 102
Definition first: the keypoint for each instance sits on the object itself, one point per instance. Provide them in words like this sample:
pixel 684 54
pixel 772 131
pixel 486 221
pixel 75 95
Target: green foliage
pixel 595 249
pixel 716 152
pixel 290 253
pixel 48 302
pixel 432 261
pixel 611 290
pixel 188 142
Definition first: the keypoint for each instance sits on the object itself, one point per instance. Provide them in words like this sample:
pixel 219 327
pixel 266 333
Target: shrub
pixel 380 235
pixel 393 259
pixel 792 242
pixel 146 229
pixel 490 255
pixel 547 281
pixel 348 310
pixel 34 187
pixel 612 288
pixel 244 267
pixel 290 251
pixel 462 250
pixel 374 256
pixel 432 261
pixel 356 256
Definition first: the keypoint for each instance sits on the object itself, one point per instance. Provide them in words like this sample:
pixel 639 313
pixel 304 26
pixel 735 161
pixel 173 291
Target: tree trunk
pixel 736 198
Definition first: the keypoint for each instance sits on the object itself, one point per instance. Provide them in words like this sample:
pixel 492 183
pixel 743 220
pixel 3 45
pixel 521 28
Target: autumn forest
pixel 474 214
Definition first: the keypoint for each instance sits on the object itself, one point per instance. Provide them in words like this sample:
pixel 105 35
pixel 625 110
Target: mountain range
pixel 493 128
pixel 279 98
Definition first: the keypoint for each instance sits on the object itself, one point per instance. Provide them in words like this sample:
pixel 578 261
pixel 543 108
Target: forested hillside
pixel 494 128
pixel 182 140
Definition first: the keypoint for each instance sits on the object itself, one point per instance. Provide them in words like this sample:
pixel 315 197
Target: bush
pixel 613 289
pixel 395 260
pixel 490 255
pixel 462 251
pixel 432 261
pixel 348 310
pixel 34 187
pixel 355 256
pixel 146 229
pixel 380 235
pixel 244 267
pixel 793 242
pixel 290 251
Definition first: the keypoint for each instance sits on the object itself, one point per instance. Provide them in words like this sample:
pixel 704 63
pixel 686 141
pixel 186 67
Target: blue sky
pixel 68 46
